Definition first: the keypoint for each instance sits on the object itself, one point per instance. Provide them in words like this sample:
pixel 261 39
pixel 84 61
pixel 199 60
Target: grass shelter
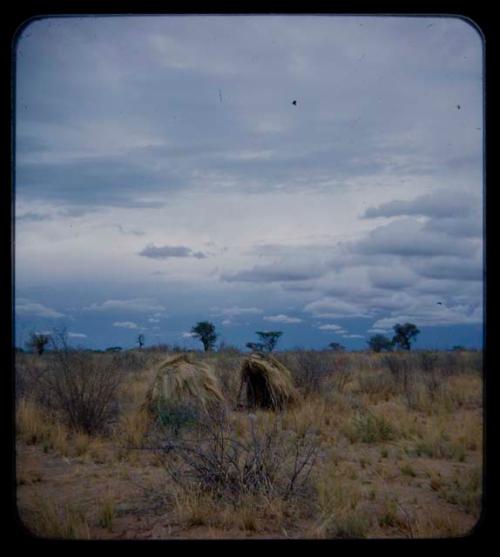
pixel 269 384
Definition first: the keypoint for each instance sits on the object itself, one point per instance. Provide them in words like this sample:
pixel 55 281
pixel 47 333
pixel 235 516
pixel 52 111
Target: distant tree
pixel 268 339
pixel 38 342
pixel 205 332
pixel 140 340
pixel 114 349
pixel 404 334
pixel 336 347
pixel 255 346
pixel 378 343
pixel 459 348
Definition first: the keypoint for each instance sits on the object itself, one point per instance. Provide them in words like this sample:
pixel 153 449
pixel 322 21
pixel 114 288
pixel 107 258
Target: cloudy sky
pixel 165 175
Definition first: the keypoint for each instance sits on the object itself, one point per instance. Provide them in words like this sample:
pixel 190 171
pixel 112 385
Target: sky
pixel 317 175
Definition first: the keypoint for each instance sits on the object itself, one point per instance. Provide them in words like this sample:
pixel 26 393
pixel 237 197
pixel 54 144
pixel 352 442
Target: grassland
pixel 378 446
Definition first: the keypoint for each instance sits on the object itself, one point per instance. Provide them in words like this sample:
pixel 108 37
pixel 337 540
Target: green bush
pixel 369 428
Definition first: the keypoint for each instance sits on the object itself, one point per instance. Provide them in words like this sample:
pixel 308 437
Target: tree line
pixel 205 332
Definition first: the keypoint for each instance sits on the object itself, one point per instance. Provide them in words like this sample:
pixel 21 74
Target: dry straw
pixel 269 384
pixel 178 380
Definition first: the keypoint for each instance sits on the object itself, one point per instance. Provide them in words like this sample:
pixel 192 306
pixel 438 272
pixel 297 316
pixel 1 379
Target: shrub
pixel 370 428
pixel 270 460
pixel 176 416
pixel 83 388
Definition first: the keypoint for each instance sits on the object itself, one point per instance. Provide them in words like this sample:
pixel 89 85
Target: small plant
pixel 407 470
pixel 176 416
pixel 370 428
pixel 106 514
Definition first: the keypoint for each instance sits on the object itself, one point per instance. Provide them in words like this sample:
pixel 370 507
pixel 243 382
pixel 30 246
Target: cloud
pixel 234 311
pixel 449 267
pixel 188 335
pixel 173 143
pixel 126 325
pixel 282 271
pixel 331 327
pixel 439 204
pixel 433 315
pixel 134 304
pixel 408 237
pixel 329 307
pixel 393 277
pixel 352 336
pixel 164 252
pixel 76 335
pixel 153 320
pixel 281 318
pixel 25 307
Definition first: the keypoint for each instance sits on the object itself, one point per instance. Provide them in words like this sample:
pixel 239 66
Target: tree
pixel 268 339
pixel 378 343
pixel 140 340
pixel 38 342
pixel 205 331
pixel 336 347
pixel 404 334
pixel 255 346
pixel 114 349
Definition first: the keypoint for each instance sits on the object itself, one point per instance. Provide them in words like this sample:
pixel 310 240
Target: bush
pixel 270 460
pixel 369 428
pixel 310 368
pixel 83 388
pixel 176 416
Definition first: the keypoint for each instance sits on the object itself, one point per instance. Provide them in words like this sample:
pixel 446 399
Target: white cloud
pixel 234 311
pixel 135 304
pixel 153 320
pixel 25 307
pixel 330 327
pixel 188 335
pixel 329 307
pixel 76 335
pixel 126 324
pixel 281 318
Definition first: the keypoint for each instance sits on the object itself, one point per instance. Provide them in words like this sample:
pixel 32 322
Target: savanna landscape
pixel 370 445
pixel 218 219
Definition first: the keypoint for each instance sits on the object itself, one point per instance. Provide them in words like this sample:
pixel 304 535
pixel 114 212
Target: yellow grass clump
pixel 178 380
pixel 269 384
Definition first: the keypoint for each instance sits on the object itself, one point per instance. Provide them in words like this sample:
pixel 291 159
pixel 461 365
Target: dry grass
pixel 180 381
pixel 47 520
pixel 269 384
pixel 393 456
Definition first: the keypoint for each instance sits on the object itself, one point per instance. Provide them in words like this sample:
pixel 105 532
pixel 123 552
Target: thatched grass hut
pixel 269 384
pixel 182 382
